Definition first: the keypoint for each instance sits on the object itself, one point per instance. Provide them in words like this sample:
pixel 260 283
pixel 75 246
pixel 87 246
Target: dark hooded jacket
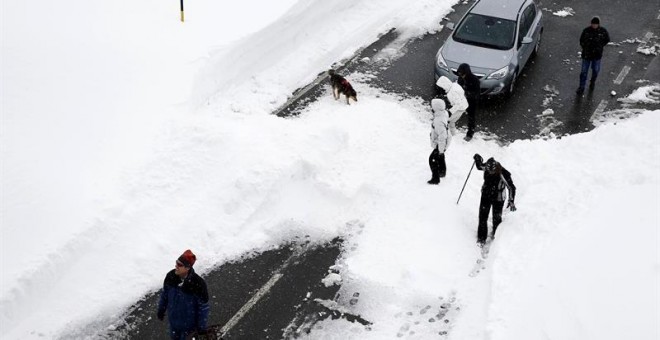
pixel 186 302
pixel 592 41
pixel 470 83
pixel 496 182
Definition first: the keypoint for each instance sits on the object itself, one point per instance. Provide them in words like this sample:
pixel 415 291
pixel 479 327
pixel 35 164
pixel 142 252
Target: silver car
pixel 496 38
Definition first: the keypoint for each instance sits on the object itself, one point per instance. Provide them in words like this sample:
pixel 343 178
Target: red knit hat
pixel 187 258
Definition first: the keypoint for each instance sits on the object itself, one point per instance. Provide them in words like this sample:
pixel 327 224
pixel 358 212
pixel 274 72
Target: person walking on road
pixel 440 139
pixel 496 178
pixel 470 84
pixel 593 40
pixel 185 298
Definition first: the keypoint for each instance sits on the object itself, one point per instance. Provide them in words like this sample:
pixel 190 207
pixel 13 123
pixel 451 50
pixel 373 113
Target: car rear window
pixel 486 31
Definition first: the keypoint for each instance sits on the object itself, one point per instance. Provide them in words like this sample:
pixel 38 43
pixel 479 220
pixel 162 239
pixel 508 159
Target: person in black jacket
pixel 185 298
pixel 592 40
pixel 470 84
pixel 496 178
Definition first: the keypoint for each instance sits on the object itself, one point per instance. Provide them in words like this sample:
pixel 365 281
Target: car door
pixel 527 20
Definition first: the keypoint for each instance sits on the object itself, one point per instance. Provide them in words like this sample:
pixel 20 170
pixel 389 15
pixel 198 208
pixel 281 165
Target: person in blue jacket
pixel 185 298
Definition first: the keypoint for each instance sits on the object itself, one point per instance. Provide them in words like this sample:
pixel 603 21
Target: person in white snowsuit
pixel 440 139
pixel 456 98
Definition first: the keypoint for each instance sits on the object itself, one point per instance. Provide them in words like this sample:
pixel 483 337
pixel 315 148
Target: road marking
pixel 622 75
pixel 253 301
pixel 260 293
pixel 599 109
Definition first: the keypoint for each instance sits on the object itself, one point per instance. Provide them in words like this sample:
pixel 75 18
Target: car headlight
pixel 499 74
pixel 440 61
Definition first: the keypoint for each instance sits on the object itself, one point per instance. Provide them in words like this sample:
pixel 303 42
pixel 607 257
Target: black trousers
pixel 472 116
pixel 437 165
pixel 484 209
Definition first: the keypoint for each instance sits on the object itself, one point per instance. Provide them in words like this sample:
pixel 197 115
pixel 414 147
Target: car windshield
pixel 486 31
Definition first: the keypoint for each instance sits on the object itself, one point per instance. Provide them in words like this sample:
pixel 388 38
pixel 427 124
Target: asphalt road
pixel 287 306
pixel 547 82
pixel 255 297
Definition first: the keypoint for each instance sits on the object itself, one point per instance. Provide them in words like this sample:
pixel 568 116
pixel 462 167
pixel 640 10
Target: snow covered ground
pixel 128 137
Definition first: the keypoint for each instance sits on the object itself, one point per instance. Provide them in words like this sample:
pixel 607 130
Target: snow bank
pixel 105 180
pixel 578 260
pixel 105 165
pixel 257 74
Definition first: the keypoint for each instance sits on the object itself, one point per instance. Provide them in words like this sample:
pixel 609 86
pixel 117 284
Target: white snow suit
pixel 456 97
pixel 440 134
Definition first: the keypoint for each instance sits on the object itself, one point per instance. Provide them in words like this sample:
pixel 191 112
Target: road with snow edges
pixel 273 295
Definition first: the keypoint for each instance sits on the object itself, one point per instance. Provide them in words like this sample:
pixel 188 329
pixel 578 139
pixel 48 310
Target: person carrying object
pixel 496 179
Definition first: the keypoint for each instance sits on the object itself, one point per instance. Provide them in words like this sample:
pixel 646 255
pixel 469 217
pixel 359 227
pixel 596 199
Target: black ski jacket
pixel 470 84
pixel 592 41
pixel 494 185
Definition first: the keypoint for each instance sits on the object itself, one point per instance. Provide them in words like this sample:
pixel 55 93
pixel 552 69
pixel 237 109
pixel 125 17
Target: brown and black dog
pixel 341 86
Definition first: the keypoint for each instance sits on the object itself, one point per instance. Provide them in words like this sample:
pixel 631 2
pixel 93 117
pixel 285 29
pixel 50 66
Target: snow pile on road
pixel 565 12
pixel 106 179
pixel 646 94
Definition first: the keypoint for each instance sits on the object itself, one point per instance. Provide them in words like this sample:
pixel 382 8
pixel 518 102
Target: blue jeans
pixel 595 68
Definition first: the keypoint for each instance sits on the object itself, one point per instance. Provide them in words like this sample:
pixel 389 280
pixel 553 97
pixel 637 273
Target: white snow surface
pixel 128 137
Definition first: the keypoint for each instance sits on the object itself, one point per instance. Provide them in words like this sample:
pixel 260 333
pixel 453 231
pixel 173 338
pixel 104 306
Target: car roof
pixel 505 9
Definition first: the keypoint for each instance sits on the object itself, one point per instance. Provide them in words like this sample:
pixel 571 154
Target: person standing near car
pixel 470 84
pixel 440 138
pixel 496 179
pixel 184 298
pixel 593 40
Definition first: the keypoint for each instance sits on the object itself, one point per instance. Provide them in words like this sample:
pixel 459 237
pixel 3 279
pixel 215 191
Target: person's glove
pixel 511 206
pixel 478 159
pixel 161 315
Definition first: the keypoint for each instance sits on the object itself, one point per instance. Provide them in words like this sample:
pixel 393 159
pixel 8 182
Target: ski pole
pixel 468 176
pixel 181 10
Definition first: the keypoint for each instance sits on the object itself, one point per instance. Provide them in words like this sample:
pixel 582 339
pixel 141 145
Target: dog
pixel 341 86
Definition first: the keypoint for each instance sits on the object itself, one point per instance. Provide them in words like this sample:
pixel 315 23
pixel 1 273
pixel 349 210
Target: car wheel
pixel 537 46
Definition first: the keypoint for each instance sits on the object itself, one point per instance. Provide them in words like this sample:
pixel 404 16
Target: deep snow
pixel 128 137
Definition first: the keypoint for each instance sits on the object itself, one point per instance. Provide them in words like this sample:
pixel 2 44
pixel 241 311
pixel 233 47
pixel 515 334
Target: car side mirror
pixel 450 25
pixel 527 40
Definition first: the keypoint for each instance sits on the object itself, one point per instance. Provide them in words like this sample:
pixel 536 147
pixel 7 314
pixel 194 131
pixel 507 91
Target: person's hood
pixel 438 105
pixel 464 69
pixel 440 114
pixel 444 83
